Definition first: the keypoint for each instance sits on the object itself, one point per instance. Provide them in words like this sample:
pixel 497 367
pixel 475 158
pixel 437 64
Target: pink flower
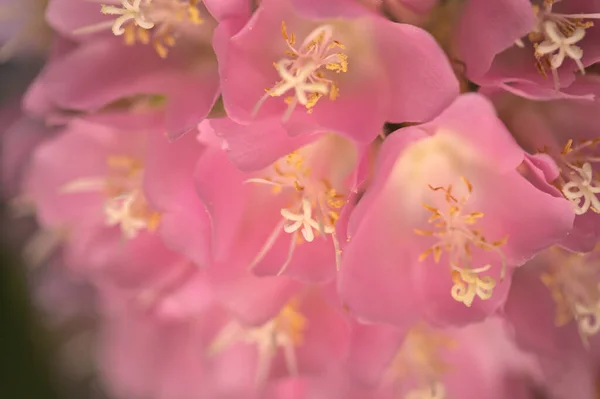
pixel 170 189
pixel 554 303
pixel 179 67
pixel 112 232
pixel 446 193
pixel 337 65
pixel 486 29
pixel 281 216
pixel 160 354
pixel 104 186
pixel 567 132
pixel 544 62
pixel 341 223
pixel 306 336
pixel 425 362
pixel 161 22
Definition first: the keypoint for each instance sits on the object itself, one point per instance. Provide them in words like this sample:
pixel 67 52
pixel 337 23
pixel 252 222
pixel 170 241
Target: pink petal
pixel 421 78
pixel 372 349
pixel 258 145
pixel 531 310
pixel 87 146
pixel 100 73
pixel 486 29
pixel 368 291
pixel 170 189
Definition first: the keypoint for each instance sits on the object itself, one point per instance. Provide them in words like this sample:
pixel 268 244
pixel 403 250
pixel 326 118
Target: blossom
pixel 446 193
pixel 306 336
pixel 100 69
pixel 566 132
pixel 427 362
pixel 339 74
pixel 563 317
pixel 301 199
pixel 284 212
pixel 545 62
pixel 484 31
pixel 159 353
pixel 111 232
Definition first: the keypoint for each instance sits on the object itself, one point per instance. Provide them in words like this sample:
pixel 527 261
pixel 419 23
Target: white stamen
pixel 124 202
pixel 565 45
pixel 279 332
pixel 554 37
pixel 581 191
pixel 119 212
pixel 86 184
pixel 456 237
pixel 130 10
pixel 572 279
pixel 290 255
pixel 268 245
pixel 302 71
pixel 99 27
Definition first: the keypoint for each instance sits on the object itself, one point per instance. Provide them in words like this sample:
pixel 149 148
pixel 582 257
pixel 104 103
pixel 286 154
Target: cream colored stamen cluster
pixel 285 332
pixel 555 38
pixel 303 69
pixel 125 205
pixel 148 21
pixel 314 209
pixel 573 281
pixel 456 237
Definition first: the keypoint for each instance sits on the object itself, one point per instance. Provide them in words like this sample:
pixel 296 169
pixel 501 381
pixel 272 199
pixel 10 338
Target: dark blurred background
pixel 43 356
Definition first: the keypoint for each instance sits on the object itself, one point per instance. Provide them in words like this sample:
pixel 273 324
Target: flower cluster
pixel 306 199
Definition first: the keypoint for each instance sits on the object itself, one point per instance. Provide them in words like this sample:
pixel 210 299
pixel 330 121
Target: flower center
pixel 125 205
pixel 314 208
pixel 577 181
pixel 146 21
pixel 555 36
pixel 285 331
pixel 573 282
pixel 303 70
pixel 419 363
pixel 457 238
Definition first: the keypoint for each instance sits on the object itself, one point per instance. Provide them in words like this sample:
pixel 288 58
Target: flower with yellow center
pixel 125 205
pixel 315 197
pixel 573 281
pixel 303 70
pixel 285 331
pixel 577 181
pixel 457 237
pixel 555 37
pixel 146 21
pixel 419 364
